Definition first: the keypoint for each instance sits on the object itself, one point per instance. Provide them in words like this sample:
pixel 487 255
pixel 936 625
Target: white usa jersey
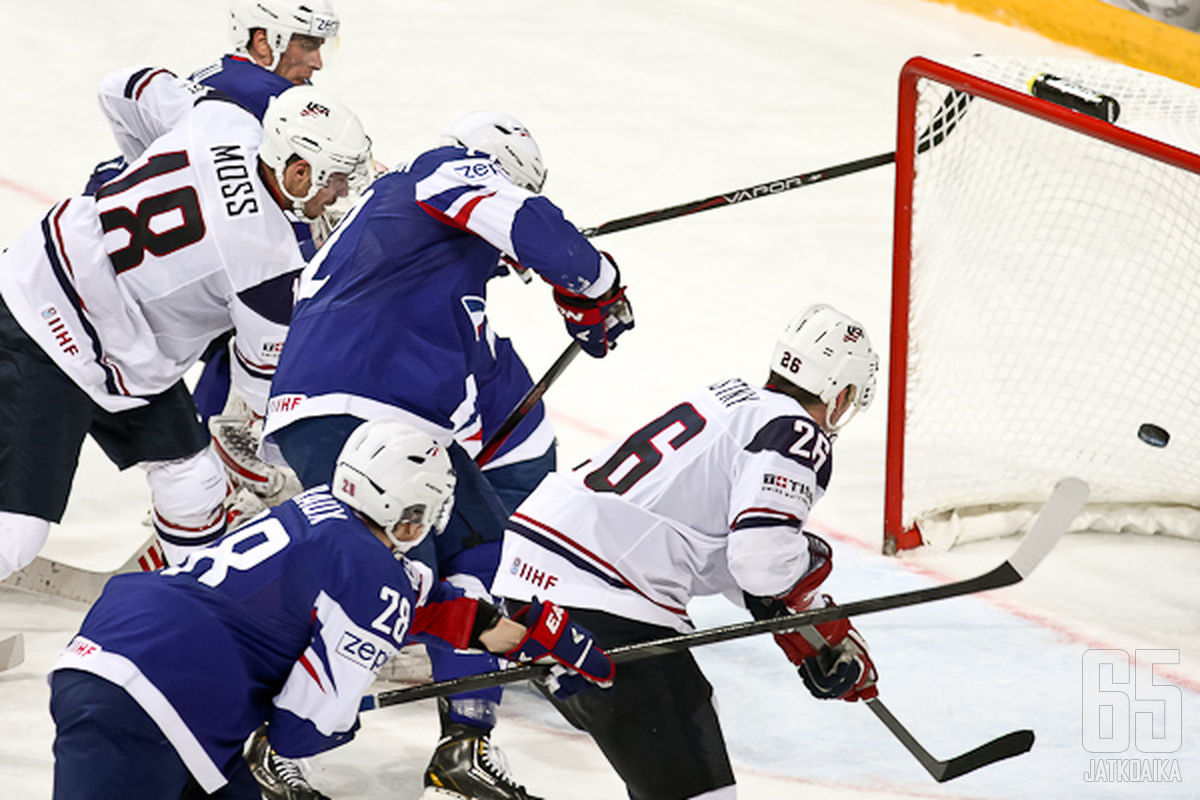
pixel 125 290
pixel 709 498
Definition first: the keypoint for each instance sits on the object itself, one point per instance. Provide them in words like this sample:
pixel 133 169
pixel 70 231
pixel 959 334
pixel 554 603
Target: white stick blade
pixel 12 651
pixel 1064 504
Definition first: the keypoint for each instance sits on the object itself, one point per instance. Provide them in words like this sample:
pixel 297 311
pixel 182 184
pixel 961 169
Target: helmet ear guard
pixel 393 474
pixel 823 351
pixel 506 140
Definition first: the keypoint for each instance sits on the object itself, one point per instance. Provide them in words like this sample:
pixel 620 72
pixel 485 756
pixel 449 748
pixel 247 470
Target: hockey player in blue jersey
pixel 710 498
pixel 285 622
pixel 391 322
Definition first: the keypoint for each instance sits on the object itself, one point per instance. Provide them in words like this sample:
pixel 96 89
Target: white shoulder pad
pixel 142 103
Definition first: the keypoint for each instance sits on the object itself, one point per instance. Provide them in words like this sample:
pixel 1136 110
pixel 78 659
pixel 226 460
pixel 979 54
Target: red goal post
pixel 1045 301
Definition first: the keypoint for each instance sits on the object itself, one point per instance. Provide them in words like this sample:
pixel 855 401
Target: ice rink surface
pixel 638 106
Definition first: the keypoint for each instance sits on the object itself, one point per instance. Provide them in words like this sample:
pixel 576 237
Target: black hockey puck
pixel 1153 435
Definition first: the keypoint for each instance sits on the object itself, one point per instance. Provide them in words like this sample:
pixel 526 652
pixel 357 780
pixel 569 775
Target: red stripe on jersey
pixel 464 216
pixel 460 219
pixel 66 261
pixel 782 516
pixel 308 667
pixel 137 95
pixel 217 518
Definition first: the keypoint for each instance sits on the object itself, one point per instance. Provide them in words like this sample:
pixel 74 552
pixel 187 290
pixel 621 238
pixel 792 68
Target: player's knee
pixel 189 502
pixel 21 539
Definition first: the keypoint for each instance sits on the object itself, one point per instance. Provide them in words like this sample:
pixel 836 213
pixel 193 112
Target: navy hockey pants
pixel 657 725
pixel 107 747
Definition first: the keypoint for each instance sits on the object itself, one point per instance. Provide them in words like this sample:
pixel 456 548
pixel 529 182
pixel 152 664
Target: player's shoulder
pixel 324 531
pixel 454 164
pixel 765 421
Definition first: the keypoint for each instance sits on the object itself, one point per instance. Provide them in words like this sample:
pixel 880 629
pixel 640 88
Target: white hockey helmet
pixel 392 473
pixel 506 140
pixel 310 124
pixel 280 19
pixel 822 351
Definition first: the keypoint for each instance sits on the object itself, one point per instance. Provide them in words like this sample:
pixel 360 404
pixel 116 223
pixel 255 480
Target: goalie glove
pixel 552 638
pixel 596 322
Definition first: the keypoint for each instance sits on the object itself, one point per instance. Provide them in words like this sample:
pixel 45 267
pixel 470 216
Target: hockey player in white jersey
pixel 111 298
pixel 709 498
pixel 286 622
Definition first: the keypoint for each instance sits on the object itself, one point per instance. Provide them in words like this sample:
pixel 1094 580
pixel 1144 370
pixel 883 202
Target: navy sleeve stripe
pixel 133 81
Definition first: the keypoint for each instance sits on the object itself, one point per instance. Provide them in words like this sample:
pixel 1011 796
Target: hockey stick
pixel 12 651
pixel 527 403
pixel 1052 521
pixel 56 579
pixel 947 116
pixel 998 749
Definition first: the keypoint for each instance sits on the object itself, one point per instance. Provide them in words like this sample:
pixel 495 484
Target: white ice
pixel 640 105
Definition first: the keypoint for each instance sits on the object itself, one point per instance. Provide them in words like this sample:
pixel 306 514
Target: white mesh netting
pixel 1055 307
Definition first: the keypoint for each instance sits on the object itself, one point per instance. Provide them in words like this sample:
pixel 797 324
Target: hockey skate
pixel 467 766
pixel 279 778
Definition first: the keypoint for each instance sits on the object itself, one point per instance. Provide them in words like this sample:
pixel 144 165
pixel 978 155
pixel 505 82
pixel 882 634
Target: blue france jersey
pixel 240 78
pixel 392 311
pixel 286 620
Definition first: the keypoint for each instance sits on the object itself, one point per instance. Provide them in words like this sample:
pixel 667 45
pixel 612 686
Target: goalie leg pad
pixel 189 502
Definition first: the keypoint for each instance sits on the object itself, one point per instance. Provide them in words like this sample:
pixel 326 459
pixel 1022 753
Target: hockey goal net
pixel 1046 299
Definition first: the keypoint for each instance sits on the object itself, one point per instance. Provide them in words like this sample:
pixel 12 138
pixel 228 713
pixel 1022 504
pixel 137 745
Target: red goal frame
pixel 896 535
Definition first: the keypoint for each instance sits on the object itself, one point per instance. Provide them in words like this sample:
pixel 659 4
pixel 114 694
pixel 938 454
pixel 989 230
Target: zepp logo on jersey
pixel 358 650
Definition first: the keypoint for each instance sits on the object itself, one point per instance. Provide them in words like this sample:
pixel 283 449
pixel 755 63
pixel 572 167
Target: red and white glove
pixel 552 637
pixel 596 322
pixel 841 669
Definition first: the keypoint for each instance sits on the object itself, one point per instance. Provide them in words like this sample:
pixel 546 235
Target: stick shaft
pixel 741 195
pixel 527 404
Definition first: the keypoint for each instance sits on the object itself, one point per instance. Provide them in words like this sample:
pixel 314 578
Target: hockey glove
pixel 844 670
pixel 551 637
pixel 596 322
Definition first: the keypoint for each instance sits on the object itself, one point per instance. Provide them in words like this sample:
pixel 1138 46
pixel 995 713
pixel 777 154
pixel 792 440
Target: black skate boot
pixel 466 766
pixel 279 778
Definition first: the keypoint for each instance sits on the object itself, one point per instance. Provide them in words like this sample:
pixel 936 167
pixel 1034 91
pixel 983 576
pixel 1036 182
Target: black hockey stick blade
pixel 1006 746
pixel 1052 522
pixel 1000 748
pixel 527 403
